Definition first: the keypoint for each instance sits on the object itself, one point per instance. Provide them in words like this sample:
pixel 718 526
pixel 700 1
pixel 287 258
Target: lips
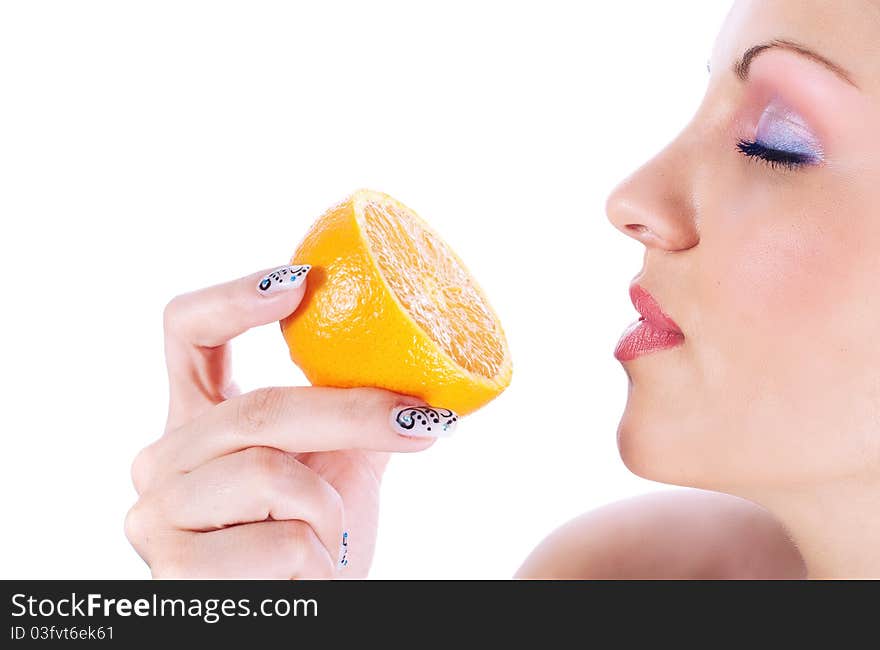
pixel 652 332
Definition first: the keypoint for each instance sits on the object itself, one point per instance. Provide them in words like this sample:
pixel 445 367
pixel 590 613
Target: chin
pixel 653 440
pixel 637 446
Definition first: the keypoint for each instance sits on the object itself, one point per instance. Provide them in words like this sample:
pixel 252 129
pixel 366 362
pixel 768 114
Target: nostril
pixel 637 228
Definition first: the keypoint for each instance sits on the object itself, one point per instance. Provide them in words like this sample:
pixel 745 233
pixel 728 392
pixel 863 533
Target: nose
pixel 655 204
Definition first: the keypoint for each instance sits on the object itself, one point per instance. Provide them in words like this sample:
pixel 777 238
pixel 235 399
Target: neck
pixel 835 527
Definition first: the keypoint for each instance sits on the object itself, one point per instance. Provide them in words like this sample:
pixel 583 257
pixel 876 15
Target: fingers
pixel 200 323
pixel 298 419
pixel 249 486
pixel 283 550
pixel 262 550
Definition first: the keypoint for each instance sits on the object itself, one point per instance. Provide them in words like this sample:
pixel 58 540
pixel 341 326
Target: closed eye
pixel 774 157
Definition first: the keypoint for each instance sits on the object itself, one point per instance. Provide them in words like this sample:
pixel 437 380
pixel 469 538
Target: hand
pixel 265 484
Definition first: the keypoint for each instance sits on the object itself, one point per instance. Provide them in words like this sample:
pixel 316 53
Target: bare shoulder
pixel 667 535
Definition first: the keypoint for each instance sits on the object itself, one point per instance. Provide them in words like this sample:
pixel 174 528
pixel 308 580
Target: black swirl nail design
pixel 287 277
pixel 422 421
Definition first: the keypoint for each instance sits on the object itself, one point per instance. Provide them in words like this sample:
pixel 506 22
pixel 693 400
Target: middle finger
pixel 294 419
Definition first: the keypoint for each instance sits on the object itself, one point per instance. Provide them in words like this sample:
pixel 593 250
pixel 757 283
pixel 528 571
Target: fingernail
pixel 284 278
pixel 423 421
pixel 343 551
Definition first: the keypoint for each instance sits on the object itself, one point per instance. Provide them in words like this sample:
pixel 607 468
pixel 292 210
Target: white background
pixel 152 148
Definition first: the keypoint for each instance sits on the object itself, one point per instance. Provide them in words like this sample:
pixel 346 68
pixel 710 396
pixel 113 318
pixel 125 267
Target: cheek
pixel 783 267
pixel 787 348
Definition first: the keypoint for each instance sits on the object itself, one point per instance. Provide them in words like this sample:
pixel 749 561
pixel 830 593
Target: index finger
pixel 199 324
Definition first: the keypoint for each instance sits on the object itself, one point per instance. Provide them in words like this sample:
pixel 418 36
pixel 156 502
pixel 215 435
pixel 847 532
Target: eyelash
pixel 776 158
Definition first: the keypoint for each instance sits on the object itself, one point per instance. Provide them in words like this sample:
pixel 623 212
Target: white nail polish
pixel 423 421
pixel 343 551
pixel 284 278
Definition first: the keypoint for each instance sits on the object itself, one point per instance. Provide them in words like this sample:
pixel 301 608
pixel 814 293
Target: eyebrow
pixel 741 67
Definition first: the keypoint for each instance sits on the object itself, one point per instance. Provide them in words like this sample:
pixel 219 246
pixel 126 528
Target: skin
pixel 769 411
pixel 774 395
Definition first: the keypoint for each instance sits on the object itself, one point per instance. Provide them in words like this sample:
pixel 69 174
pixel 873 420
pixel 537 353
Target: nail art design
pixel 343 551
pixel 424 421
pixel 287 277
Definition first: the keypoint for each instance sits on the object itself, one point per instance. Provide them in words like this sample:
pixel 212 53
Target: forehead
pixel 844 31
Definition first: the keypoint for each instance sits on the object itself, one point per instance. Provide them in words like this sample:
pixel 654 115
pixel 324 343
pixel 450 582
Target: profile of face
pixel 761 227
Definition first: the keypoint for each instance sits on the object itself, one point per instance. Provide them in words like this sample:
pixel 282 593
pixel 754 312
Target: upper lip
pixel 650 309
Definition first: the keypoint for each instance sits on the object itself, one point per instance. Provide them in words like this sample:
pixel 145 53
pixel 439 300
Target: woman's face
pixel 771 269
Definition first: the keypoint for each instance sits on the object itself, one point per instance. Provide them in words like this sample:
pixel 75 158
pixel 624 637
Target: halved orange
pixel 389 304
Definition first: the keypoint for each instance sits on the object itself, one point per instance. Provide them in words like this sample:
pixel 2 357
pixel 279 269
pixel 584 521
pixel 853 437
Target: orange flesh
pixel 433 287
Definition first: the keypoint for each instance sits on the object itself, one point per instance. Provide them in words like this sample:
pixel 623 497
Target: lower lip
pixel 644 337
